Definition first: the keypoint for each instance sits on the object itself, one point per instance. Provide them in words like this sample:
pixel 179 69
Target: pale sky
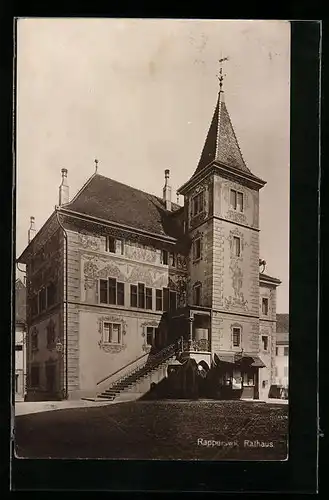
pixel 139 96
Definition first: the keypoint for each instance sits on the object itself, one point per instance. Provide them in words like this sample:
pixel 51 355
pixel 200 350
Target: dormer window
pixel 236 200
pixel 197 204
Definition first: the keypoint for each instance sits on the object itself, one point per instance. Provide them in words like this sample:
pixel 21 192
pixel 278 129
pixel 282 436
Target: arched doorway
pixel 202 379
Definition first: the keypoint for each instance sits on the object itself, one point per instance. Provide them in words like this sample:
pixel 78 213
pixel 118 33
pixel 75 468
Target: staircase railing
pixel 123 368
pixel 152 362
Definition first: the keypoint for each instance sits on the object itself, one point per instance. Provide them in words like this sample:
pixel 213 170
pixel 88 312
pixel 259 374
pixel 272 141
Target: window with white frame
pixel 111 292
pixel 236 200
pixel 265 342
pixel 197 203
pixel 114 245
pixel 286 351
pixel 112 333
pixel 236 336
pixel 196 249
pixel 236 246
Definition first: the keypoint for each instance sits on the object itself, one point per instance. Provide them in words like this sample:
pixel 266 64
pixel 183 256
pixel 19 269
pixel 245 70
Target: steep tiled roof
pixel 282 323
pixel 113 201
pixel 221 142
pixel 20 302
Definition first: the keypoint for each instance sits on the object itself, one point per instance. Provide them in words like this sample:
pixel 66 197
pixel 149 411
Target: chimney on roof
pixel 167 191
pixel 64 189
pixel 31 232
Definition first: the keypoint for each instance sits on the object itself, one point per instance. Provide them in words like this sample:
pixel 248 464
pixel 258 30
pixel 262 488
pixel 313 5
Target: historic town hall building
pixel 130 294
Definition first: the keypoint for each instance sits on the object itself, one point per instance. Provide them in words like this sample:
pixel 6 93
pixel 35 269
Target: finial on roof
pixel 96 166
pixel 220 76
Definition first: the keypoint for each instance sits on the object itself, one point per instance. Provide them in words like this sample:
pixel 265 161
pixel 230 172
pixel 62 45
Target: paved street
pixel 206 430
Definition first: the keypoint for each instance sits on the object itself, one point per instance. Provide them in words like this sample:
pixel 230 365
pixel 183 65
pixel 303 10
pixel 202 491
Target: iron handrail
pixel 155 360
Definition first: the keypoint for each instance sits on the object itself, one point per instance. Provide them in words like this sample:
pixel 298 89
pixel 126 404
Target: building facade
pixel 282 351
pixel 117 277
pixel 20 340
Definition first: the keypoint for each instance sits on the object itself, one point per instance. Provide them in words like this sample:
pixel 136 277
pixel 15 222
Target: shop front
pixel 237 376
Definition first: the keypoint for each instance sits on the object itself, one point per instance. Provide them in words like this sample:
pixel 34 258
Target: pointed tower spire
pixel 221 143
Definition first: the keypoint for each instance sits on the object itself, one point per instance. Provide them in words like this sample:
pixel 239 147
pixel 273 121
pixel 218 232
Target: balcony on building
pixel 190 326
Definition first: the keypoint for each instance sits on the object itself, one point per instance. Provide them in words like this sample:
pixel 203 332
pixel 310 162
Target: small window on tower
pixel 265 342
pixel 236 337
pixel 239 202
pixel 197 249
pixel 265 306
pixel 236 246
pixel 233 199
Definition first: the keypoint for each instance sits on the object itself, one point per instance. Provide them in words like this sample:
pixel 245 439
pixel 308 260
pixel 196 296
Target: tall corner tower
pixel 222 212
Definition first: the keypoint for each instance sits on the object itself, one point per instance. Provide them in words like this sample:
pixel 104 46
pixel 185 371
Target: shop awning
pixel 225 357
pixel 237 358
pixel 258 363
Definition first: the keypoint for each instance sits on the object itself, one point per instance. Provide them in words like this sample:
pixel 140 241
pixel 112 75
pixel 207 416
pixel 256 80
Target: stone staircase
pixel 138 381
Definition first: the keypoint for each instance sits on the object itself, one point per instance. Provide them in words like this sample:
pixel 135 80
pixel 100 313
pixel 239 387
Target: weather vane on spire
pixel 96 166
pixel 220 76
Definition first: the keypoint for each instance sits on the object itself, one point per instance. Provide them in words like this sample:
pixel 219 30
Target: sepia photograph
pixel 152 161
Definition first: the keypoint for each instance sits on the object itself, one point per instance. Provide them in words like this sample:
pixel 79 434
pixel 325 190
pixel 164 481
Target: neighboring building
pixel 282 350
pixel 20 344
pixel 116 277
